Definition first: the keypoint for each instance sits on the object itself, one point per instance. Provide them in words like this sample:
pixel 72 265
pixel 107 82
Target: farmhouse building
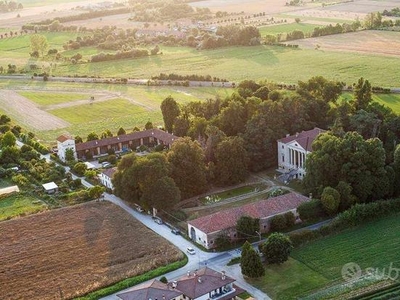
pixel 106 177
pixel 202 284
pixel 120 143
pixel 65 142
pixel 50 187
pixel 293 150
pixel 205 230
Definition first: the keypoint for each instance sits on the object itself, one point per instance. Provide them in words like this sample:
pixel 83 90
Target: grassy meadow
pixel 19 205
pixel 390 100
pixel 286 28
pixel 43 98
pixel 319 263
pixel 274 63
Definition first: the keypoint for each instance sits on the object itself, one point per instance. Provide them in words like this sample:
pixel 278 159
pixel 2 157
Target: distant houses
pixel 205 230
pixel 106 177
pixel 293 151
pixel 120 143
pixel 201 284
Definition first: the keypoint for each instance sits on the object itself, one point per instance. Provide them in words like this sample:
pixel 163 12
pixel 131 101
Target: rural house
pixel 205 230
pixel 50 187
pixel 293 150
pixel 120 143
pixel 106 177
pixel 202 284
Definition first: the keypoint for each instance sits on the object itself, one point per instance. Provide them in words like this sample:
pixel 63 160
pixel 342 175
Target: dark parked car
pixel 175 231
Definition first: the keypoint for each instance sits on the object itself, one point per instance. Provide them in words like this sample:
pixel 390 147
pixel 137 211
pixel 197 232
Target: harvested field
pixel 385 43
pixel 70 251
pixel 27 113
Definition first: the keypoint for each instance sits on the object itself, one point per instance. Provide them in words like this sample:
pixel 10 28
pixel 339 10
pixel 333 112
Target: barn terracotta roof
pixel 161 135
pixel 151 290
pixel 262 209
pixel 304 138
pixel 64 137
pixel 202 282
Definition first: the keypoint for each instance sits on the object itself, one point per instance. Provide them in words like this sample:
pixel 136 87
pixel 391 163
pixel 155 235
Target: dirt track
pixel 27 113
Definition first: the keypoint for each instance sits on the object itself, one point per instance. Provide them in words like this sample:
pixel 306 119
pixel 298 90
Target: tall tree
pixel 232 118
pixel 39 43
pixel 231 161
pixel 92 137
pixel 277 248
pixel 247 227
pixel 250 262
pixel 170 111
pixel 121 131
pixel 8 139
pixel 163 195
pixel 187 165
pixel 362 94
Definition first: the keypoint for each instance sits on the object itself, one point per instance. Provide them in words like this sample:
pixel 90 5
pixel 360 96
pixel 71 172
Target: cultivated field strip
pixel 72 251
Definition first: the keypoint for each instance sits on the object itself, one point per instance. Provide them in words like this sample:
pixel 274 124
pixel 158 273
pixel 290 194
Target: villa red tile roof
pixel 304 138
pixel 262 209
pixel 64 137
pixel 205 281
pixel 151 290
pixel 161 135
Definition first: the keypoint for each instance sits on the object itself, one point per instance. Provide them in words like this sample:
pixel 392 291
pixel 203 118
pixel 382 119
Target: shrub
pixel 290 219
pixel 164 280
pixel 278 223
pixel 311 210
pixel 302 237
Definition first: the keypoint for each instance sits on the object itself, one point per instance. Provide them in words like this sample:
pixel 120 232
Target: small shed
pixel 50 187
pixel 9 190
pixel 89 165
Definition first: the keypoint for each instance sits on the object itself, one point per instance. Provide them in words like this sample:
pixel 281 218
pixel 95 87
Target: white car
pixel 190 250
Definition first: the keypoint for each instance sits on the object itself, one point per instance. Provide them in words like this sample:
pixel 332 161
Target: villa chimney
pixel 188 273
pixel 174 284
pixel 297 134
pixel 287 134
pixel 223 275
pixel 199 279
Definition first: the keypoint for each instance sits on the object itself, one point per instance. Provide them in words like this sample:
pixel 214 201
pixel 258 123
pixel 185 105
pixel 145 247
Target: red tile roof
pixel 151 290
pixel 210 280
pixel 161 135
pixel 64 137
pixel 262 209
pixel 109 172
pixel 304 138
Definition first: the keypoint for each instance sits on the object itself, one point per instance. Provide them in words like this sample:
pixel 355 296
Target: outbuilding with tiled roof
pixel 205 230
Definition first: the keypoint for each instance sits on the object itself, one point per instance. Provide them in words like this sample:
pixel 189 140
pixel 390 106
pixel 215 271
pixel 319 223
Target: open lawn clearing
pixel 385 43
pixel 5 183
pixel 286 28
pixel 19 205
pixel 260 62
pixel 390 100
pixel 27 114
pixel 289 280
pixel 249 6
pixel 74 250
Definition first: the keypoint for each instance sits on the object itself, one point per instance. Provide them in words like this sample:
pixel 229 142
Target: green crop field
pixel 286 28
pixel 374 245
pixel 43 98
pixel 18 205
pixel 260 62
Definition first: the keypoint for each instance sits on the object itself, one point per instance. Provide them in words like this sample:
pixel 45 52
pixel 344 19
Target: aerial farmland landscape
pixel 216 149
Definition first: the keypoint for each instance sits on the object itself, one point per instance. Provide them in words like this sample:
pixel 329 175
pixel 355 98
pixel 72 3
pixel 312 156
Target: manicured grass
pixel 44 98
pixel 5 183
pixel 318 264
pixel 19 205
pixel 285 28
pixel 232 193
pixel 289 280
pixel 260 62
pixel 389 100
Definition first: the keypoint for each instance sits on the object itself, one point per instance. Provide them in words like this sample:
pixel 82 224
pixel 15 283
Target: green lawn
pixel 318 264
pixel 389 100
pixel 286 28
pixel 260 62
pixel 18 205
pixel 44 98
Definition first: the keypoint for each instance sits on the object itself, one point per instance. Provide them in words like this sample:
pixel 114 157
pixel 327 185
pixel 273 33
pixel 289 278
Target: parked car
pixel 157 220
pixel 190 250
pixel 175 231
pixel 106 165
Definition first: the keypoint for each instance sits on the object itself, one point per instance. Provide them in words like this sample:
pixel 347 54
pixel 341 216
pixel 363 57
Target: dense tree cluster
pixel 6 6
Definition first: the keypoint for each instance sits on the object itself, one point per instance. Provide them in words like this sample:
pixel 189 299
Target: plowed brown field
pixel 70 251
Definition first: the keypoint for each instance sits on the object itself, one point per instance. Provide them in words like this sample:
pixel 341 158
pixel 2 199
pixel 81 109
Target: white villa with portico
pixel 293 151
